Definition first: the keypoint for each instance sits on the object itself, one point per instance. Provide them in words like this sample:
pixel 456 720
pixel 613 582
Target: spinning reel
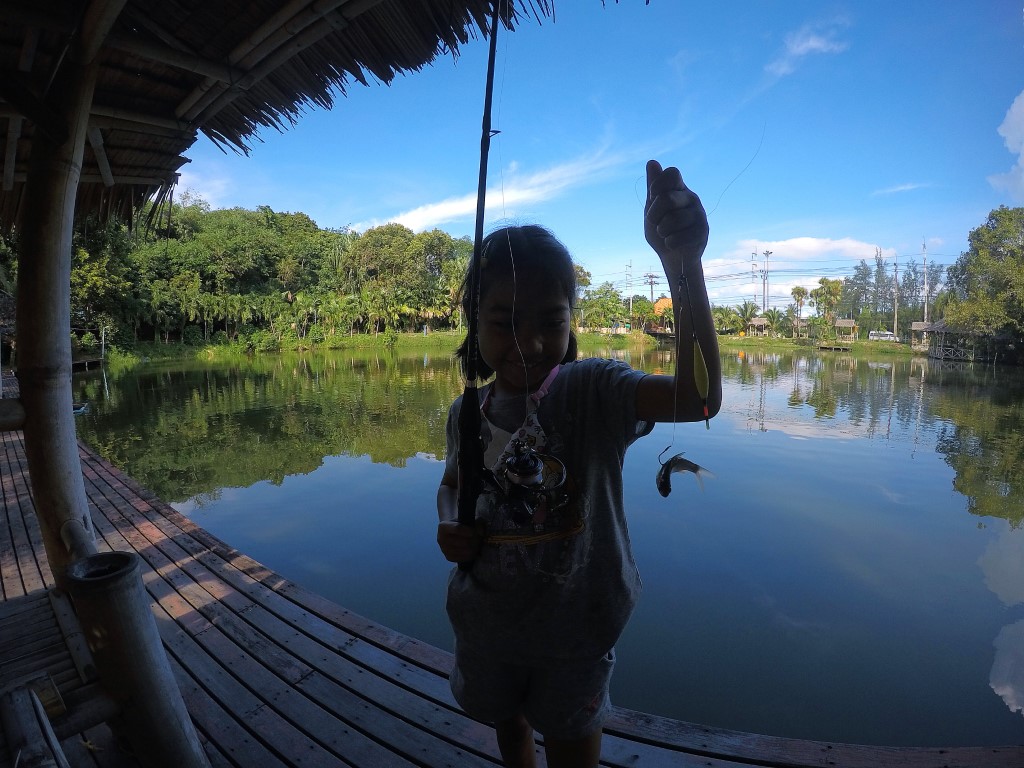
pixel 531 483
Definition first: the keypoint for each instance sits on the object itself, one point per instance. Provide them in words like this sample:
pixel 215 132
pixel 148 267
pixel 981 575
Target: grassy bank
pixel 872 348
pixel 446 342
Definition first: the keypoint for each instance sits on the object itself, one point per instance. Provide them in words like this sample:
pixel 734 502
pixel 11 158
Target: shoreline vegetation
pixel 447 341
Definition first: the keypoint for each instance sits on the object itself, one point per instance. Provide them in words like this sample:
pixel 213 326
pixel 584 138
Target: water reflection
pixel 1003 566
pixel 855 572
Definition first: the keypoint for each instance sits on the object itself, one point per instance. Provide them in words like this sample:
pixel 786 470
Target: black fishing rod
pixel 471 452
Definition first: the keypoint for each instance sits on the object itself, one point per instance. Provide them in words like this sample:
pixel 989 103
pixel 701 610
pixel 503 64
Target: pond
pixel 853 572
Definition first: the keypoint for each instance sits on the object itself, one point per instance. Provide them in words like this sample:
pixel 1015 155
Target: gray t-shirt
pixel 566 597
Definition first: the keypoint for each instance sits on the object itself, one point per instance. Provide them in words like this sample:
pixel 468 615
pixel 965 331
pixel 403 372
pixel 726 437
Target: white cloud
pixel 1012 131
pixel 909 187
pixel 512 190
pixel 1003 566
pixel 213 189
pixel 808 249
pixel 1007 675
pixel 806 41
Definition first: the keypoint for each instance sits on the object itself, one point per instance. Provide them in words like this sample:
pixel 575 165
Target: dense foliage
pixel 268 280
pixel 986 285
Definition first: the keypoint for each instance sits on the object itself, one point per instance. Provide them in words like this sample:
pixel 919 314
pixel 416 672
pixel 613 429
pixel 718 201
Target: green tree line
pixel 271 280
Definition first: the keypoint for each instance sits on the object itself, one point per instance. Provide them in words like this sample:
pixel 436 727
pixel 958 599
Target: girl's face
pixel 524 331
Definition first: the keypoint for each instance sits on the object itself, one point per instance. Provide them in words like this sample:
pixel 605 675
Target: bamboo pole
pixel 113 608
pixel 44 319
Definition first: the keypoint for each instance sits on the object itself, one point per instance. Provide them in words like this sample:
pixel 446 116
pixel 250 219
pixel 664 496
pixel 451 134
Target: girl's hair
pixel 521 250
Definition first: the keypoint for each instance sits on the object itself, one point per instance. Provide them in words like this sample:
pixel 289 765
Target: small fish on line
pixel 678 464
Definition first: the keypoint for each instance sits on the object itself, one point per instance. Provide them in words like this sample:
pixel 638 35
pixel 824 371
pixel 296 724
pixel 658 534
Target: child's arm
pixel 677 229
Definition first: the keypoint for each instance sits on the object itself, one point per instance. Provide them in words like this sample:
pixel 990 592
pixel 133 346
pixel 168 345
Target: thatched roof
pixel 226 68
pixel 846 322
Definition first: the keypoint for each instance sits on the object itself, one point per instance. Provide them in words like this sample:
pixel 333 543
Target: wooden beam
pixel 183 133
pixel 96 142
pixel 124 120
pixel 11 151
pixel 14 123
pixel 118 180
pixel 164 54
pixel 99 19
pixel 142 118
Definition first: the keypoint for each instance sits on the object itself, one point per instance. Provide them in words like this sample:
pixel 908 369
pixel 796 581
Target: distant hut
pixel 801 328
pixel 919 336
pixel 846 329
pixel 758 326
pixel 950 343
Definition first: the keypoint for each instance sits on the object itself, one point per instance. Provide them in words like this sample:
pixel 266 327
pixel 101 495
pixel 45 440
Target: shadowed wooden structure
pixel 196 654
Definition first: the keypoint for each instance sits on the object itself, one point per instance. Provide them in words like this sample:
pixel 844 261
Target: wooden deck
pixel 274 675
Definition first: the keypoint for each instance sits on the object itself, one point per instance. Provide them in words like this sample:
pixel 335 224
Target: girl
pixel 551 580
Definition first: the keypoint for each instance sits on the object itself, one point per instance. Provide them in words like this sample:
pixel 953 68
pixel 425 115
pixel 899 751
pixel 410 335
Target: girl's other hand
pixel 459 543
pixel 674 220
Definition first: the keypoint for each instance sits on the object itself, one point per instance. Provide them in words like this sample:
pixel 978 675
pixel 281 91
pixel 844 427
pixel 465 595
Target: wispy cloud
pixel 508 192
pixel 808 40
pixel 1012 131
pixel 212 188
pixel 808 249
pixel 894 190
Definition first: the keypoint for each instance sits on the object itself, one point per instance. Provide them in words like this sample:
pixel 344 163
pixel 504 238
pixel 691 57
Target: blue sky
pixel 819 131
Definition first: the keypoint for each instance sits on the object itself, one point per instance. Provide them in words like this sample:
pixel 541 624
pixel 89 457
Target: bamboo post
pixel 44 320
pixel 119 627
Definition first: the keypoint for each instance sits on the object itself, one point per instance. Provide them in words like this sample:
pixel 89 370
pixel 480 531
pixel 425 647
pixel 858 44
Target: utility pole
pixel 924 289
pixel 765 276
pixel 895 298
pixel 629 287
pixel 651 280
pixel 753 273
pixel 924 268
pixel 763 272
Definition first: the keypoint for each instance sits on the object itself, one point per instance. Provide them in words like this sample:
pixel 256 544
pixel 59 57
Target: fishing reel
pixel 531 485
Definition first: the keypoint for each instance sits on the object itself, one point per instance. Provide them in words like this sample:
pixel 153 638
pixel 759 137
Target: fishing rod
pixel 471 452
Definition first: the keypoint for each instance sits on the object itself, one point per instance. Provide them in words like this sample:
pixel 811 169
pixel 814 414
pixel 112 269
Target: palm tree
pixel 747 311
pixel 726 319
pixel 774 318
pixel 799 294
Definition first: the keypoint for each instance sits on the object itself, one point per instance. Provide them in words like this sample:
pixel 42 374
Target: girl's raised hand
pixel 674 220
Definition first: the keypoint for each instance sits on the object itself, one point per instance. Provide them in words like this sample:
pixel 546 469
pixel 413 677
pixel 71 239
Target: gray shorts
pixel 562 699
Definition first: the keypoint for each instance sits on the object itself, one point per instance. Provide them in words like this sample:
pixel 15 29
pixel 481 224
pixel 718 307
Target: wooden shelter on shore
pixel 99 101
pixel 946 342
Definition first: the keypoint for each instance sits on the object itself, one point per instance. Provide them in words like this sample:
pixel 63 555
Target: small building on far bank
pixel 950 343
pixel 846 329
pixel 757 326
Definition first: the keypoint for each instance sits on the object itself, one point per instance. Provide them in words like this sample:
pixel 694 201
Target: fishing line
pixel 504 211
pixel 749 163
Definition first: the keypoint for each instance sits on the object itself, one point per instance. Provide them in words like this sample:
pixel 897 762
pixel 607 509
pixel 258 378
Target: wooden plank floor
pixel 275 675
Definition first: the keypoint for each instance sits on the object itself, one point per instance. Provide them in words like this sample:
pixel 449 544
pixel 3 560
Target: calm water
pixel 854 571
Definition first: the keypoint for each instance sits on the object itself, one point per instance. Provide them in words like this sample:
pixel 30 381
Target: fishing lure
pixel 678 464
